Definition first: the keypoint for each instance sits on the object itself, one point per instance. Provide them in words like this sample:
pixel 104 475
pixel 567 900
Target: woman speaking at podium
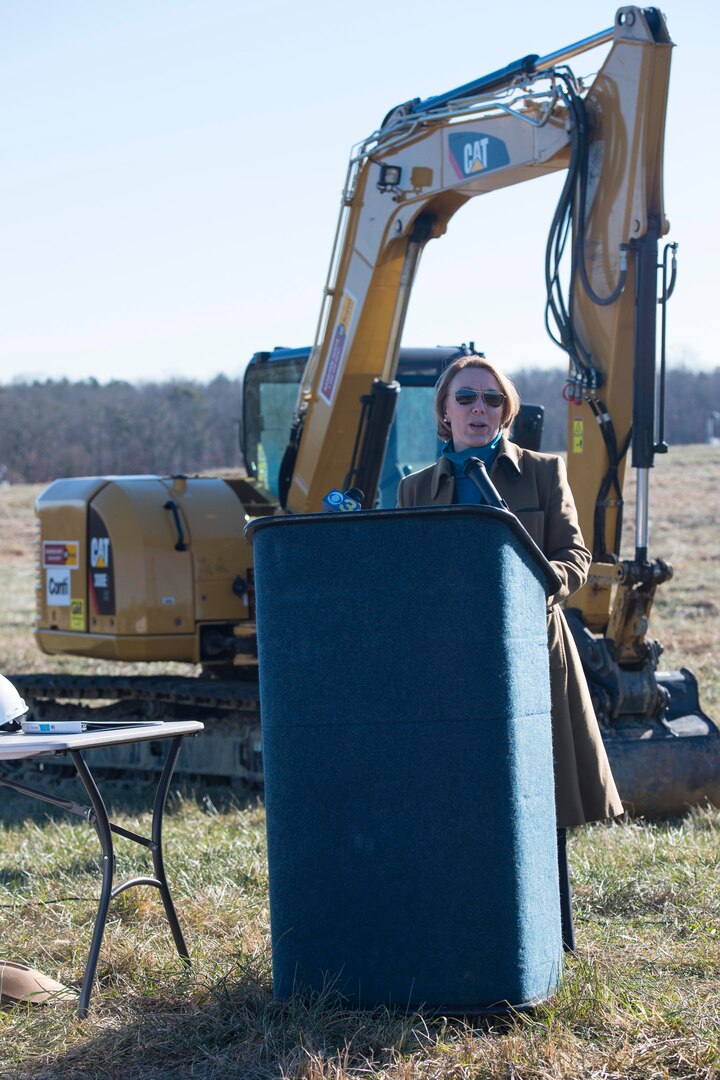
pixel 475 405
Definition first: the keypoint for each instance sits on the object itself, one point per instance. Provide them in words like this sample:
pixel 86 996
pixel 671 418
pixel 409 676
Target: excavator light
pixel 389 176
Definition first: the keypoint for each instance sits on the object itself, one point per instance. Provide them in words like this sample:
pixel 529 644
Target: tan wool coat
pixel 536 489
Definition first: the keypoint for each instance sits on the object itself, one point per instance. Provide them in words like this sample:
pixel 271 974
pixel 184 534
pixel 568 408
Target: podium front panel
pixel 408 762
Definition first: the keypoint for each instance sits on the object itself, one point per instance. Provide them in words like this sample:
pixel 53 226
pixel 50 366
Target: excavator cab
pixel 272 381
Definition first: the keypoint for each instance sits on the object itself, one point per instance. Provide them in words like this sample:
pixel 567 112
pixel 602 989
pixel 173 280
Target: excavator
pixel 156 569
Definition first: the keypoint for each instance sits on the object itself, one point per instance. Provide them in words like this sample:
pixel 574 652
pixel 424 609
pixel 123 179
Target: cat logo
pixel 472 153
pixel 475 156
pixel 101 586
pixel 100 551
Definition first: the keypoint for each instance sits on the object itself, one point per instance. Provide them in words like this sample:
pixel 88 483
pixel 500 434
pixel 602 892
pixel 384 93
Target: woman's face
pixel 476 424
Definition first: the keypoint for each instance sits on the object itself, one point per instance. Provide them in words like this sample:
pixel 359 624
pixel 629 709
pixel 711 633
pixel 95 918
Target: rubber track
pixel 181 690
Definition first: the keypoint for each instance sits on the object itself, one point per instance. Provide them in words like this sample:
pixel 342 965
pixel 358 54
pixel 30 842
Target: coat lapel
pixel 442 483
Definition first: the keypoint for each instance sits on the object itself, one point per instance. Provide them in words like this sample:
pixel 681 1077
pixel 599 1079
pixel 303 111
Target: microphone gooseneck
pixel 475 471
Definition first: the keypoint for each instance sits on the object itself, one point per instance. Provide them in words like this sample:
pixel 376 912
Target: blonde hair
pixel 511 405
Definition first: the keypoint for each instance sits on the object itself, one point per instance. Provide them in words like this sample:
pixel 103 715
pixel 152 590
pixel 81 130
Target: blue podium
pixel 405 705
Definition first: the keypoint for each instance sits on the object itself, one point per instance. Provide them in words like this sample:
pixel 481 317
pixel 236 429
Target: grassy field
pixel 641 996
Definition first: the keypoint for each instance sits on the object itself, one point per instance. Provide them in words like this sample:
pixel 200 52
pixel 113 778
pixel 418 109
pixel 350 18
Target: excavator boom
pixel 407 180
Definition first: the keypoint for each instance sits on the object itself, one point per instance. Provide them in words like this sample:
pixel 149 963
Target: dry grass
pixel 641 996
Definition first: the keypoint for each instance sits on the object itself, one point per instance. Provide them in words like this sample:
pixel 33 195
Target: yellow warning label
pixel 77 614
pixel 578 436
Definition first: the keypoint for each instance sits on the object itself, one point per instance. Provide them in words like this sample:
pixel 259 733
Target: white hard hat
pixel 12 705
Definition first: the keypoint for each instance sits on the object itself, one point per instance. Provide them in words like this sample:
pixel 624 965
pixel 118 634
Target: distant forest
pixel 51 429
pixel 58 428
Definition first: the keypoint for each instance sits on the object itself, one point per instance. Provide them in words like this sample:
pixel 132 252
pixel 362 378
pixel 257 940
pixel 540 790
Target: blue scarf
pixel 465 491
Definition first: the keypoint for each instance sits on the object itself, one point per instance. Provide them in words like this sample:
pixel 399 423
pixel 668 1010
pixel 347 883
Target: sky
pixel 172 171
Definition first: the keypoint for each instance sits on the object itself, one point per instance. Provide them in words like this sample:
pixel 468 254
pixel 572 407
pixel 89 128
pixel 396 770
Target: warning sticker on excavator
pixel 77 614
pixel 336 354
pixel 60 553
pixel 578 436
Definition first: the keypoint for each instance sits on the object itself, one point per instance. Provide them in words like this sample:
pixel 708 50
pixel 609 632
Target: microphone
pixel 338 502
pixel 475 470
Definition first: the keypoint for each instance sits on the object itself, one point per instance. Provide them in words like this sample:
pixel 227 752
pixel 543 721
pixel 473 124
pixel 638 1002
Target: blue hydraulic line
pixel 485 84
pixel 527 65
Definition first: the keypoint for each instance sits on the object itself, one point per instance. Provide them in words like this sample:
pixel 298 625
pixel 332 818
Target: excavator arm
pixel 404 186
pixel 407 180
pixel 607 326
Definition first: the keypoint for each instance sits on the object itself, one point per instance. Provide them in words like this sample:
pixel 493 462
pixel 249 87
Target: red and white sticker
pixel 60 553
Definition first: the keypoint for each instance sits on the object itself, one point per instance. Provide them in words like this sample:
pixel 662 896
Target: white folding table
pixel 18 745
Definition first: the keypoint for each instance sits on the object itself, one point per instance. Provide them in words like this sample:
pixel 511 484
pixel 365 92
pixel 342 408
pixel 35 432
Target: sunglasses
pixel 492 398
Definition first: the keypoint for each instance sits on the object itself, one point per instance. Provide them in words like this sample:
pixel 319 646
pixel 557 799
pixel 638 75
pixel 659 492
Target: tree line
pixel 60 428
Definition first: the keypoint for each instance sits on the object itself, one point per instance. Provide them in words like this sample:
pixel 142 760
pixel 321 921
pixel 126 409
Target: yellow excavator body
pixel 138 567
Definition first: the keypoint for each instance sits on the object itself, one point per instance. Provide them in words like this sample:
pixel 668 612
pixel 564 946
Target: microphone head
pixel 473 463
pixel 355 493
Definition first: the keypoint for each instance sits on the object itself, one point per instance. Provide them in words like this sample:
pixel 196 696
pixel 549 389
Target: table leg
pixel 157 852
pixel 102 827
pixel 104 830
